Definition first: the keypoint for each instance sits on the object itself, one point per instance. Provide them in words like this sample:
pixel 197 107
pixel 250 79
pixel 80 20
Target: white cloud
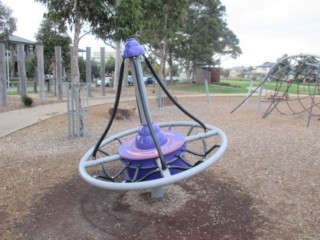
pixel 266 29
pixel 269 29
pixel 29 15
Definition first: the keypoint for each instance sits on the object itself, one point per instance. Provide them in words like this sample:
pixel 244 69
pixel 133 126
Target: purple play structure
pixel 155 154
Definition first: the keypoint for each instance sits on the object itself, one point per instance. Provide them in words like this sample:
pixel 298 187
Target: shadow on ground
pixel 208 208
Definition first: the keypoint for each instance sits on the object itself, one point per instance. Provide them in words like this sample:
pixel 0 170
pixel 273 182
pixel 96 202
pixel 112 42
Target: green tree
pixel 110 64
pixel 120 26
pixel 82 16
pixel 51 34
pixel 225 72
pixel 205 34
pixel 95 69
pixel 162 20
pixel 82 69
pixel 7 23
pixel 31 68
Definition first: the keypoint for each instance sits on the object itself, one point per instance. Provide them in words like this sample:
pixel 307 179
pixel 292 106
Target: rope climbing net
pixel 292 87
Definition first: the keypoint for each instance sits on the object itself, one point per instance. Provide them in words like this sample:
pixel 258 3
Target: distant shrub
pixel 225 84
pixel 27 101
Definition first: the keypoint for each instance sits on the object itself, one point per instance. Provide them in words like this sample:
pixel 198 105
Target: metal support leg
pixel 157 192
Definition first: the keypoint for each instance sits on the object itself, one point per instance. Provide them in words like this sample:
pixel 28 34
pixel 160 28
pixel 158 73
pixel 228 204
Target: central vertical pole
pixel 133 51
pixel 138 76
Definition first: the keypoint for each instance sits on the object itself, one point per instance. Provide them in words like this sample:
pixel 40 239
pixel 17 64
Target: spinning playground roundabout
pixel 150 157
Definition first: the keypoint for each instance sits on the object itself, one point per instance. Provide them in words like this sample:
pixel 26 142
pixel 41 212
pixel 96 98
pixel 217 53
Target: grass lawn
pixel 242 86
pixel 225 86
pixel 14 92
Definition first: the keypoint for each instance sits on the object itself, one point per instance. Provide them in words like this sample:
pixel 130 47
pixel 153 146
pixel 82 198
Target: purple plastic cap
pixel 144 139
pixel 132 49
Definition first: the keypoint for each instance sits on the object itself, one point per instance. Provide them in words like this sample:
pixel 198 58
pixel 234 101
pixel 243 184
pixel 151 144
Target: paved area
pixel 13 121
pixel 16 120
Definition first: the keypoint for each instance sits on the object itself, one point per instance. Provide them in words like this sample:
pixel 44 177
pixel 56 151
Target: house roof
pixel 267 65
pixel 240 69
pixel 16 39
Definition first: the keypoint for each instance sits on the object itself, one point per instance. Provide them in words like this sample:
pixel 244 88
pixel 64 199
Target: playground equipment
pixel 152 155
pixel 296 89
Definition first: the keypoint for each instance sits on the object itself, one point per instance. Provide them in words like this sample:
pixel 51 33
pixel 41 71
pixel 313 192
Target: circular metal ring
pixel 87 162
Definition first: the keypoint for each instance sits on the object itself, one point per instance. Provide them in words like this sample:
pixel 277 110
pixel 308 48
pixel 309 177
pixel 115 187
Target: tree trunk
pixel 76 39
pixel 117 60
pixel 88 69
pixel 161 99
pixel 75 70
pixel 163 60
pixel 188 71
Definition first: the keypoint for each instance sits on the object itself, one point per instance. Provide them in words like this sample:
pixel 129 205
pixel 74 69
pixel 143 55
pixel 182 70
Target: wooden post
pixel 102 70
pixel 3 76
pixel 57 51
pixel 88 69
pixel 22 70
pixel 40 68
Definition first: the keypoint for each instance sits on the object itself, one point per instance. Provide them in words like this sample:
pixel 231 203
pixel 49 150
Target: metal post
pixel 143 108
pixel 316 86
pixel 57 50
pixel 72 109
pixel 157 192
pixel 68 109
pixel 207 90
pixel 102 70
pixel 260 96
pixel 77 109
pixel 40 68
pixel 22 70
pixel 137 76
pixel 3 78
pixel 8 71
pixel 88 69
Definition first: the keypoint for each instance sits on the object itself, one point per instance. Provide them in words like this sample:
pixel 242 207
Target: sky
pixel 266 29
pixel 269 29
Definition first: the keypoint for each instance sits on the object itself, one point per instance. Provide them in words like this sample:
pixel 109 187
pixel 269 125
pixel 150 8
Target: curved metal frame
pixel 285 66
pixel 87 162
pixel 300 71
pixel 119 181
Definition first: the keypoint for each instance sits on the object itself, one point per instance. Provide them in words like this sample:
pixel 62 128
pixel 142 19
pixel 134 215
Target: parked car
pixel 107 81
pixel 130 80
pixel 147 80
pixel 48 77
pixel 174 79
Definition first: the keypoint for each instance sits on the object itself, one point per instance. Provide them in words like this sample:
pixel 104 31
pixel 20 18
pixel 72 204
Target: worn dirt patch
pixel 212 208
